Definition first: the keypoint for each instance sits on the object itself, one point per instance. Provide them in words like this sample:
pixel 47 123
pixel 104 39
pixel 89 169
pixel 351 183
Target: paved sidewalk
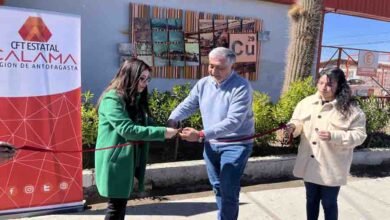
pixel 361 199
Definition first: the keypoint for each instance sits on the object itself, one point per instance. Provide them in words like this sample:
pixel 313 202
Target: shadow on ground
pixel 185 209
pixel 372 171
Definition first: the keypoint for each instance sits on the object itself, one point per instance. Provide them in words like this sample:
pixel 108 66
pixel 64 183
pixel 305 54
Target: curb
pixel 188 173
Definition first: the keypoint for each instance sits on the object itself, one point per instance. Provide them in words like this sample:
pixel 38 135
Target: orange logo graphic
pixel 34 29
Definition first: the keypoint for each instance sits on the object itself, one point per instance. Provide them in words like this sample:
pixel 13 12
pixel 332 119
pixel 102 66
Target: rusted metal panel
pixel 376 9
pixel 331 3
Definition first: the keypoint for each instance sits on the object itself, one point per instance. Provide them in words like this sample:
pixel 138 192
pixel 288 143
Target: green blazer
pixel 116 168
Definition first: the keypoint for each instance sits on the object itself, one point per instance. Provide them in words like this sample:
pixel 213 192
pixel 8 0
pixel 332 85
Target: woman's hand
pixel 170 133
pixel 285 135
pixel 290 128
pixel 324 135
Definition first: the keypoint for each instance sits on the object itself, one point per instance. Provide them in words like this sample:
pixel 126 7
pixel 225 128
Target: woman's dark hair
pixel 125 84
pixel 343 91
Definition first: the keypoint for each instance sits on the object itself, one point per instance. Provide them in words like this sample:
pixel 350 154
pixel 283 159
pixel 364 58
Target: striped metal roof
pixel 375 9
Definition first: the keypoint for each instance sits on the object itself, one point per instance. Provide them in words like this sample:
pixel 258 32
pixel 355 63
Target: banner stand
pixel 43 210
pixel 40 100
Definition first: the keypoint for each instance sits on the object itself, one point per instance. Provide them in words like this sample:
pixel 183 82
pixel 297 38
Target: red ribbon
pixel 281 126
pixel 38 149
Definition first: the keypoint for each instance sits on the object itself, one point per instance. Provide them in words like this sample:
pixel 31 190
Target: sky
pixel 355 32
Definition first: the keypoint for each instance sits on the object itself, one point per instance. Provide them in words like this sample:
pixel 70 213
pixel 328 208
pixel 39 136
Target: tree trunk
pixel 306 17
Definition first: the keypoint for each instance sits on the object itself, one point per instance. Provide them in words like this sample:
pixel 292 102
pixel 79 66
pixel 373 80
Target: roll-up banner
pixel 40 90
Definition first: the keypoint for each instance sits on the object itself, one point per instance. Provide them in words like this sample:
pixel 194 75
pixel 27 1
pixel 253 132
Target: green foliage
pixel 89 119
pixel 377 116
pixel 262 110
pixel 284 109
pixel 161 105
pixel 89 123
pixel 377 140
pixel 180 92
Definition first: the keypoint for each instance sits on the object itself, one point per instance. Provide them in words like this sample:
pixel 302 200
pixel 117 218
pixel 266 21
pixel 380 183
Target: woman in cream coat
pixel 330 125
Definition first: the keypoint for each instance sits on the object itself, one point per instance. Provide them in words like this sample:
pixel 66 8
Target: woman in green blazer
pixel 123 117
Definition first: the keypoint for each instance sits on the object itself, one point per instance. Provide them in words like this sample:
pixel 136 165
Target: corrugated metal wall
pixel 377 9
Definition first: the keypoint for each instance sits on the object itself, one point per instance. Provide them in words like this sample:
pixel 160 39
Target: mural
pixel 176 42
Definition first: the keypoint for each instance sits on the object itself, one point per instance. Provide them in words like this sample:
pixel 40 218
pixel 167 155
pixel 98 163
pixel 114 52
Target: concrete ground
pixel 364 198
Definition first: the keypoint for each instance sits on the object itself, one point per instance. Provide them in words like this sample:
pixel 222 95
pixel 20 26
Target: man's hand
pixel 7 151
pixel 190 134
pixel 171 123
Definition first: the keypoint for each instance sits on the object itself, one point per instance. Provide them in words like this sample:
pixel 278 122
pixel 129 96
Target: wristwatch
pixel 201 136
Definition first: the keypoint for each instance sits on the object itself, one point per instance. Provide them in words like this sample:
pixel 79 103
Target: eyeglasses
pixel 145 79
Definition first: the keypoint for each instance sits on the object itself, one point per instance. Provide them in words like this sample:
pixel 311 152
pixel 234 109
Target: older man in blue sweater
pixel 225 102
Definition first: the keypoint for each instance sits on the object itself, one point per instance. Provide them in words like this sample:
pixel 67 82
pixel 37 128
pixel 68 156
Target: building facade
pixel 104 25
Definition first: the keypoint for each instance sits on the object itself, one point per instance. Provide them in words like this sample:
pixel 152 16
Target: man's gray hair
pixel 224 52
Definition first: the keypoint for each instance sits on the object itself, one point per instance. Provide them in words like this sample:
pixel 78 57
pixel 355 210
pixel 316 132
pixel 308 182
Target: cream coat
pixel 326 162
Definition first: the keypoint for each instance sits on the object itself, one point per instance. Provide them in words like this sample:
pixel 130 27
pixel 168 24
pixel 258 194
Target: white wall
pixel 102 22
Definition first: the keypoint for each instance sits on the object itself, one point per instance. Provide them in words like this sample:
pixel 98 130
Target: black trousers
pixel 116 209
pixel 328 197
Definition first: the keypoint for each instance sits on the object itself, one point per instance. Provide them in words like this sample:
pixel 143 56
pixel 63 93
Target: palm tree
pixel 306 17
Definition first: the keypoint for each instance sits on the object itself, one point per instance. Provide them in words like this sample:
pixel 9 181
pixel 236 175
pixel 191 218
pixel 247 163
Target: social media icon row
pixel 29 189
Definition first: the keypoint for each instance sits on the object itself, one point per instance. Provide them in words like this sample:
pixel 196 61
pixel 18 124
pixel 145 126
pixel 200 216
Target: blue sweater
pixel 226 108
